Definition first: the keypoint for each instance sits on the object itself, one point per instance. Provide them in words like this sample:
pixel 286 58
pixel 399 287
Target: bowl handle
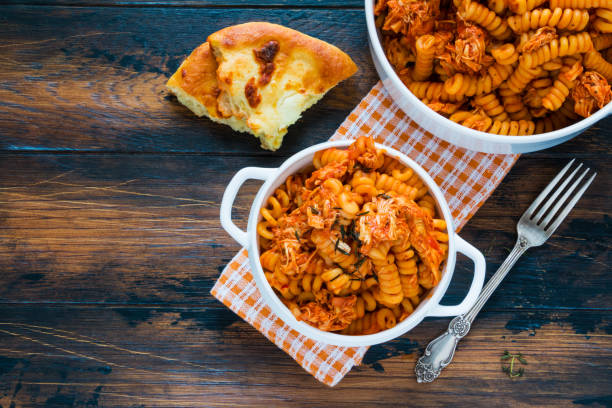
pixel 257 173
pixel 477 282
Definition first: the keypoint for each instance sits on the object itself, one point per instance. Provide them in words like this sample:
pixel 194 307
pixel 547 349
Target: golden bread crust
pixel 330 64
pixel 197 76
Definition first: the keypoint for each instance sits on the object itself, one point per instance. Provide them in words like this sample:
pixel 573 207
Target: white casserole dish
pixel 274 177
pixel 452 132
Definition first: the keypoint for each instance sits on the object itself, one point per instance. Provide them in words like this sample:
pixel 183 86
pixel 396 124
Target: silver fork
pixel 534 228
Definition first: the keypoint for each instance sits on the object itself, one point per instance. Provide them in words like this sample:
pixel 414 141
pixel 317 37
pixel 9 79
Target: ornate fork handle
pixel 440 351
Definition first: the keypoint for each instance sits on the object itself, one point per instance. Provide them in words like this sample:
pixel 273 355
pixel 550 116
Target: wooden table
pixel 110 240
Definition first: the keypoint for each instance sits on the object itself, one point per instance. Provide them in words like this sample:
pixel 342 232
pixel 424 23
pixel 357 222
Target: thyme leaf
pixel 363 213
pixel 314 211
pixel 508 366
pixel 359 262
pixel 383 195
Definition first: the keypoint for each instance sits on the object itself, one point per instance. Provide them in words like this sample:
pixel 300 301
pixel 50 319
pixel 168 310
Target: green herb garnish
pixel 508 368
pixel 314 211
pixel 362 167
pixel 363 213
pixel 334 224
pixel 383 195
pixel 297 236
pixel 359 262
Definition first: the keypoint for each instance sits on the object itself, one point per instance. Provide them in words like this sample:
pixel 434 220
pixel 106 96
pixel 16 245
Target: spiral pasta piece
pixel 390 293
pixel 328 248
pixel 365 325
pixel 336 280
pixel 554 64
pixel 324 157
pixel 433 90
pixel 385 318
pixel 491 106
pixel 385 182
pixel 425 50
pixel 461 85
pixel 563 84
pixel 364 184
pixel 410 285
pixel 602 41
pixel 522 6
pixel 269 260
pixel 603 22
pixel 561 47
pixel 498 6
pixel 557 119
pixel 521 77
pixel 513 104
pixel 562 19
pixel 505 54
pixel 512 127
pixel 581 4
pixel 594 61
pixel 479 14
pixel 537 89
pixel 476 120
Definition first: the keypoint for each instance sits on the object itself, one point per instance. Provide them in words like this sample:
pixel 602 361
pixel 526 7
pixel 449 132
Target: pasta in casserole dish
pixel 353 245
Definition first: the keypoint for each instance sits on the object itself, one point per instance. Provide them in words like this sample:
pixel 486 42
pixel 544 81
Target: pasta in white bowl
pixel 319 262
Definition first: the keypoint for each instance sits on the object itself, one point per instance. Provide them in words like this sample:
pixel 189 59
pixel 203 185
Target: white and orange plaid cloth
pixel 467 179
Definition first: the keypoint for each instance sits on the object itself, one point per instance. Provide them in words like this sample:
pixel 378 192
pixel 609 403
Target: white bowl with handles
pixel 274 177
pixel 453 132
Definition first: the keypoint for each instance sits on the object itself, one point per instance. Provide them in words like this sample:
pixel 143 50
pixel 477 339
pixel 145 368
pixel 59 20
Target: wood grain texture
pixel 110 239
pixel 199 3
pixel 123 356
pixel 101 83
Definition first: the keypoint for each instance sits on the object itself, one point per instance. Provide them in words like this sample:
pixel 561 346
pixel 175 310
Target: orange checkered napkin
pixel 467 179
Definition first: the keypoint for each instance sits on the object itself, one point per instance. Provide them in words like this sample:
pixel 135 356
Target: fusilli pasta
pixel 345 270
pixel 501 66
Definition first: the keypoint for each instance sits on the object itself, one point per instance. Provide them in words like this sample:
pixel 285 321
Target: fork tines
pixel 548 219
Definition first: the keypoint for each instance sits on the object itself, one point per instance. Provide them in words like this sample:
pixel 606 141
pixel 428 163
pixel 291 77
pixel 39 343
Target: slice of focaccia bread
pixel 261 79
pixel 195 85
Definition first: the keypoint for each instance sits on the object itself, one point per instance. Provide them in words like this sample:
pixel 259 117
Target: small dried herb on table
pixel 508 363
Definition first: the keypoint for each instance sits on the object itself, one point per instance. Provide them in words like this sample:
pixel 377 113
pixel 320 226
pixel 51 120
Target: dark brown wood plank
pixel 94 78
pixel 123 357
pixel 198 3
pixel 117 228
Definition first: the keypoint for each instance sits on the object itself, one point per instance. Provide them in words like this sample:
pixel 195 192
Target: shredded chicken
pixel 380 226
pixel 478 121
pixel 331 170
pixel 591 92
pixel 398 52
pixel 444 107
pixel 398 217
pixel 411 18
pixel 364 152
pixel 329 313
pixel 467 53
pixel 420 229
pixel 540 38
